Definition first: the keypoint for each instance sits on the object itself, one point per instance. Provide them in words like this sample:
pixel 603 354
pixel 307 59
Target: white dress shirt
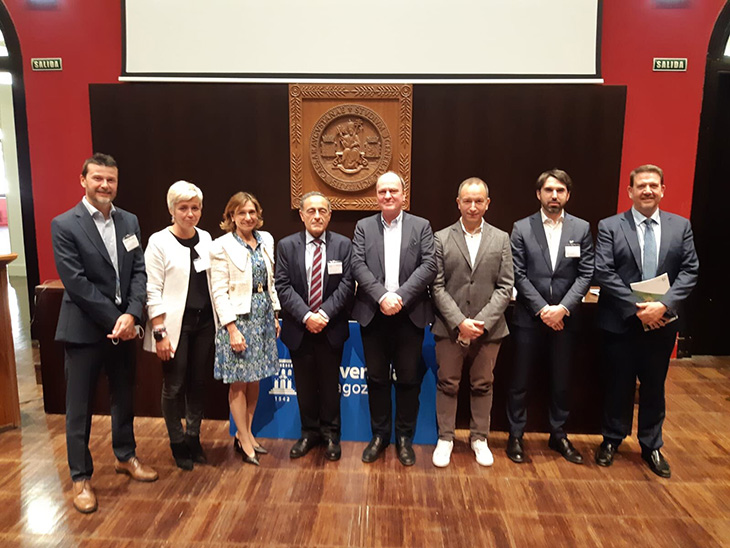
pixel 553 232
pixel 108 233
pixel 639 221
pixel 472 240
pixel 392 234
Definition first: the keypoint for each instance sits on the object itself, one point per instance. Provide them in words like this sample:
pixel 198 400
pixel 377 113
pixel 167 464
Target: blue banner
pixel 277 413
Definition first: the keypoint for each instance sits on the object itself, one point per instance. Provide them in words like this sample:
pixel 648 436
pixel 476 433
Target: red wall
pixel 662 108
pixel 87 34
pixel 662 112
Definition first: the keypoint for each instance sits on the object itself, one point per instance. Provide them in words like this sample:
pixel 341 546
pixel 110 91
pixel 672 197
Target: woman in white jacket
pixel 246 304
pixel 181 327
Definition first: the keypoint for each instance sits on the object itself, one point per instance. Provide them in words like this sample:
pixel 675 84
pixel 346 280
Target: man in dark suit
pixel 101 265
pixel 316 290
pixel 471 291
pixel 636 245
pixel 393 262
pixel 553 258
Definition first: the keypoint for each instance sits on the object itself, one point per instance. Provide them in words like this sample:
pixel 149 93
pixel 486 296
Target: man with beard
pixel 553 261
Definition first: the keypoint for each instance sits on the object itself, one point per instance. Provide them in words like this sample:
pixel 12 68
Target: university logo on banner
pixel 283 388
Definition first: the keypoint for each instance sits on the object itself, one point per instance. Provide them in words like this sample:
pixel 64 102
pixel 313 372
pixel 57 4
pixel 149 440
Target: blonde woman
pixel 242 277
pixel 181 327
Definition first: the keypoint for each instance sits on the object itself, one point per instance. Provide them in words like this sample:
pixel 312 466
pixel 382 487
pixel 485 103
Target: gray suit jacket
pixel 481 292
pixel 618 264
pixel 88 312
pixel 416 272
pixel 537 283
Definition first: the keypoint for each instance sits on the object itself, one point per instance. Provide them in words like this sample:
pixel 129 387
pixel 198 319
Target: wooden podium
pixel 9 402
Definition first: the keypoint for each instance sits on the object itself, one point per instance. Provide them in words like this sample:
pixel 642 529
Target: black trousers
pixel 393 342
pixel 626 357
pixel 546 348
pixel 317 376
pixel 83 363
pixel 184 376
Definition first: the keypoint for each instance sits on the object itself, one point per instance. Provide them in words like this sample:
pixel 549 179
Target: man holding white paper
pixel 640 244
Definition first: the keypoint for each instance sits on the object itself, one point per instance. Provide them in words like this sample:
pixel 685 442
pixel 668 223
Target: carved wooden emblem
pixel 343 137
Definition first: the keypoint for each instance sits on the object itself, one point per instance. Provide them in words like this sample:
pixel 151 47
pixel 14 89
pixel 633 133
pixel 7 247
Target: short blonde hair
pixel 237 200
pixel 182 191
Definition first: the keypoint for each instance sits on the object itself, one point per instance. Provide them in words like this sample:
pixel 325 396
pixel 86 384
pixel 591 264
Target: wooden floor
pixel 312 502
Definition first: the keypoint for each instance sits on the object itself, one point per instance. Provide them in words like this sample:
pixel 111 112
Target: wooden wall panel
pixel 230 137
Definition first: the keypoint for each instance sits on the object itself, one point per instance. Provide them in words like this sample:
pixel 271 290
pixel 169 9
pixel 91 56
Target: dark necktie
pixel 315 287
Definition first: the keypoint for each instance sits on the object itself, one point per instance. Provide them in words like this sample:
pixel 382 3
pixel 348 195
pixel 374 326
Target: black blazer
pixel 88 313
pixel 618 264
pixel 293 290
pixel 417 268
pixel 536 282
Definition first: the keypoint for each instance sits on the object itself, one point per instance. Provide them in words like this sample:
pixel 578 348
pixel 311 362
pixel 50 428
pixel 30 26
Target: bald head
pixel 389 191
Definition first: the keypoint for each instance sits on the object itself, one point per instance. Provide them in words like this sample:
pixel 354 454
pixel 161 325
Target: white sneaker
pixel 442 453
pixel 481 450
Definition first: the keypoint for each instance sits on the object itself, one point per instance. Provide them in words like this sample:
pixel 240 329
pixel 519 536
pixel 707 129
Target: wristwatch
pixel 159 333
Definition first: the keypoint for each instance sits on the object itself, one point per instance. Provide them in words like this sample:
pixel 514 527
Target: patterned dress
pixel 261 357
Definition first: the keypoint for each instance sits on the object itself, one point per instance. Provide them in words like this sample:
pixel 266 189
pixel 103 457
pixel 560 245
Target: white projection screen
pixel 411 40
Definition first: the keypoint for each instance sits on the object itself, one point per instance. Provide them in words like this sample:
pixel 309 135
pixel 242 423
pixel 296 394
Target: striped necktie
pixel 315 287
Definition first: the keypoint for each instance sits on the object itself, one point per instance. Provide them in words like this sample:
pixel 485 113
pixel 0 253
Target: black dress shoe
pixel 515 450
pixel 657 463
pixel 302 447
pixel 333 451
pixel 605 453
pixel 406 455
pixel 196 450
pixel 250 459
pixel 182 456
pixel 244 457
pixel 376 446
pixel 565 448
pixel 260 450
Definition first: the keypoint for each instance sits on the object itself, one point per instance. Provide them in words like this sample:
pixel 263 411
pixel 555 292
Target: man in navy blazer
pixel 393 261
pixel 100 262
pixel 636 245
pixel 553 261
pixel 316 290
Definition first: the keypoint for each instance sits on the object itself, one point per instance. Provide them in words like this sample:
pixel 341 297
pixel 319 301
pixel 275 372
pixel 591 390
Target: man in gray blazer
pixel 639 336
pixel 393 262
pixel 553 258
pixel 100 262
pixel 471 291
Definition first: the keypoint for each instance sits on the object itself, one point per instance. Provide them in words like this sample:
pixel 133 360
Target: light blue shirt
pixel 108 233
pixel 639 221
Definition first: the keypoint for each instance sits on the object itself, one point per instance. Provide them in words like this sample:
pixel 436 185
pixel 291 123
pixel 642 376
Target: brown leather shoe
pixel 84 497
pixel 135 469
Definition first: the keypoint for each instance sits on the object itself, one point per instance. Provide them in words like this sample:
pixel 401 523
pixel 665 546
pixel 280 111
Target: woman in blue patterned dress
pixel 246 306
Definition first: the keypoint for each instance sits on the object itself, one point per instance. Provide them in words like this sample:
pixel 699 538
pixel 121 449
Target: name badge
pixel 572 251
pixel 130 242
pixel 203 261
pixel 334 267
